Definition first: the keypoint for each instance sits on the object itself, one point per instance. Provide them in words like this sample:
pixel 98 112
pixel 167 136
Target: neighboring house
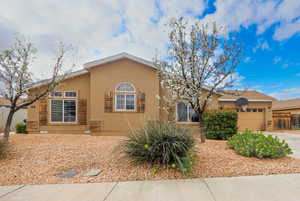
pixel 286 114
pixel 110 96
pixel 19 116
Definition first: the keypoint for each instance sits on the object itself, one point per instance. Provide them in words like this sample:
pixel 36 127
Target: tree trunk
pixel 8 124
pixel 201 125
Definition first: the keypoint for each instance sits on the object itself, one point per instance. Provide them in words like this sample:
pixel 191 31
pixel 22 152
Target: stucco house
pixel 286 114
pixel 110 96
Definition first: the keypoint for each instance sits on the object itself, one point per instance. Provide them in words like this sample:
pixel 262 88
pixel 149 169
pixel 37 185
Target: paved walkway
pixel 254 188
pixel 292 139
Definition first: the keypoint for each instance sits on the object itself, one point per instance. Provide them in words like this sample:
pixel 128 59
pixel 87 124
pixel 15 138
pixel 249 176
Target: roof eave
pixel 118 57
pixel 250 100
pixel 46 81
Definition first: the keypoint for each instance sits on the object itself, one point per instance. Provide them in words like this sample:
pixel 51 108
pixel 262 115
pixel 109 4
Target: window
pixel 125 87
pixel 63 111
pixel 56 94
pixel 185 113
pixel 125 97
pixel 70 94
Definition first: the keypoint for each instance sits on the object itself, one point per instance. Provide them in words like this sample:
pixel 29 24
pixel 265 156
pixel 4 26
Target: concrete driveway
pixel 292 139
pixel 264 188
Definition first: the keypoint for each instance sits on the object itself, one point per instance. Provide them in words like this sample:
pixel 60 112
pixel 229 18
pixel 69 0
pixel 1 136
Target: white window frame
pixel 63 113
pixel 188 116
pixel 125 91
pixel 62 94
pixel 70 96
pixel 126 110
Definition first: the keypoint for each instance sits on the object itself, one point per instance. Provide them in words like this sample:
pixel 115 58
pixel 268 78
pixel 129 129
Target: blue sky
pixel 269 30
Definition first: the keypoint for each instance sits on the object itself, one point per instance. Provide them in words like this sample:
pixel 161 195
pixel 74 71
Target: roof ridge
pixel 118 57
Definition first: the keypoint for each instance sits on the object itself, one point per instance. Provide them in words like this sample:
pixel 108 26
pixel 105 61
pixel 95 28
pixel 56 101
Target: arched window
pixel 125 97
pixel 125 87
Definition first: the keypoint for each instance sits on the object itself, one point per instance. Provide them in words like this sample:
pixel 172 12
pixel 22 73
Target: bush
pixel 258 145
pixel 220 125
pixel 21 127
pixel 3 148
pixel 161 143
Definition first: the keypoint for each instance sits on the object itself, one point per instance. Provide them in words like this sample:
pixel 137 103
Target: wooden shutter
pixel 108 102
pixel 141 99
pixel 43 112
pixel 82 111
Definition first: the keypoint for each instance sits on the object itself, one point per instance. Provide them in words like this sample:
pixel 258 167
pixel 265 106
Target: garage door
pixel 251 120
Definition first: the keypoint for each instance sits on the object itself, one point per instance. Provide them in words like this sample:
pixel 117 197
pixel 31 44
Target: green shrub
pixel 161 143
pixel 220 125
pixel 258 145
pixel 3 148
pixel 21 127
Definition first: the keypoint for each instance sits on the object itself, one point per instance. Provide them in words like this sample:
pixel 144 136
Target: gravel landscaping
pixel 38 159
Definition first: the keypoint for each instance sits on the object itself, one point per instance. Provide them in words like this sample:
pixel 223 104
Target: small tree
pixel 200 63
pixel 17 78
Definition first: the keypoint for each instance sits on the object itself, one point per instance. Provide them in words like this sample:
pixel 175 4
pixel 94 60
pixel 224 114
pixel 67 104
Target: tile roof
pixel 250 95
pixel 288 104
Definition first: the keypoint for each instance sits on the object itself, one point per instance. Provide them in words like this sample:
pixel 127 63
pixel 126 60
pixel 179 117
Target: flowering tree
pixel 16 78
pixel 201 62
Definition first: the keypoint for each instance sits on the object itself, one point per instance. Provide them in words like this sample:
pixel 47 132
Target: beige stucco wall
pixel 106 77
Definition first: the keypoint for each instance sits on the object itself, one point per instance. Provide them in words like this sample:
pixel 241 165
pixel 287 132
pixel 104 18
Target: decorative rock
pixel 68 174
pixel 93 172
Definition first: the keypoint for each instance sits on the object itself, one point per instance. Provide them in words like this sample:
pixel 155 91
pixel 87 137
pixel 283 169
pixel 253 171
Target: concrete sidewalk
pixel 254 188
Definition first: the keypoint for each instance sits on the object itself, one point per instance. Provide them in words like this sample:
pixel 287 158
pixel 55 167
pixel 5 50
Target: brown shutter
pixel 82 111
pixel 43 112
pixel 141 99
pixel 32 125
pixel 108 102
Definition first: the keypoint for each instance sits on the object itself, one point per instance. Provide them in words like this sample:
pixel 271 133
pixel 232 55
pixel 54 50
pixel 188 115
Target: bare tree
pixel 17 78
pixel 201 62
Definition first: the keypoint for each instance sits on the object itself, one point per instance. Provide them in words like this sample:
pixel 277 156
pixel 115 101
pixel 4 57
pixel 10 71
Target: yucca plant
pixel 160 142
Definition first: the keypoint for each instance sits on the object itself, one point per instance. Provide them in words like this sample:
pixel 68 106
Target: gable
pixel 117 57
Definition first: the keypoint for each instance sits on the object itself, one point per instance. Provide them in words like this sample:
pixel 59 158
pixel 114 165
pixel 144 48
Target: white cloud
pixel 287 93
pixel 286 30
pixel 236 14
pixel 262 45
pixel 108 27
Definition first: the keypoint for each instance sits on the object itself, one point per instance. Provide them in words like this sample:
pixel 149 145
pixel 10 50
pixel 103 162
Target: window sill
pixel 124 111
pixel 187 122
pixel 61 123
